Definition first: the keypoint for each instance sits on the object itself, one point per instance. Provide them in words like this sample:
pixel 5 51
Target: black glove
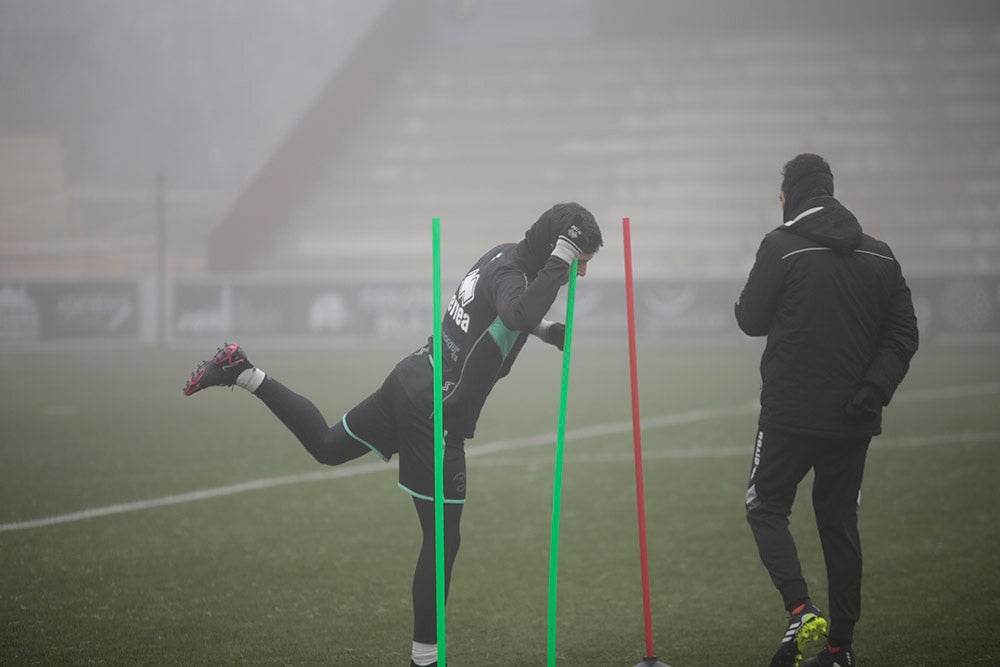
pixel 573 242
pixel 566 250
pixel 865 403
pixel 556 335
pixel 553 333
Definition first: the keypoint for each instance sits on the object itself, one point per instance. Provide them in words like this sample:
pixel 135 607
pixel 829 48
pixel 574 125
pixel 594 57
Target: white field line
pixel 702 453
pixel 961 391
pixel 501 446
pixel 255 485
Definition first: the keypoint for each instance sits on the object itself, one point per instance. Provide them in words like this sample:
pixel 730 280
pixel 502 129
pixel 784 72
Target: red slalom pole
pixel 650 658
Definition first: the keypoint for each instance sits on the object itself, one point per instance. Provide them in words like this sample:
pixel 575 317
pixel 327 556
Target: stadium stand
pixel 48 228
pixel 684 131
pixel 685 136
pixel 37 213
pixel 34 203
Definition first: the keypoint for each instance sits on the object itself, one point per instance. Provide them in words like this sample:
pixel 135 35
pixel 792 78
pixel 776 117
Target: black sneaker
pixel 219 371
pixel 842 657
pixel 805 625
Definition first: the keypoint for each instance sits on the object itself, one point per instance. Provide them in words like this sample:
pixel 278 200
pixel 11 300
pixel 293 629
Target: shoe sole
pixel 223 355
pixel 812 629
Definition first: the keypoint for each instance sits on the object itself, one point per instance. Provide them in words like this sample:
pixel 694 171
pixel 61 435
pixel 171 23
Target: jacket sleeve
pixel 898 342
pixel 759 299
pixel 522 305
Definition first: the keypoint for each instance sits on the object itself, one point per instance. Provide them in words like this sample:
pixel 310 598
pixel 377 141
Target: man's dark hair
pixel 806 176
pixel 801 166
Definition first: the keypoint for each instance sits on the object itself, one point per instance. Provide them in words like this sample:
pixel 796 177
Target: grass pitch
pixel 317 571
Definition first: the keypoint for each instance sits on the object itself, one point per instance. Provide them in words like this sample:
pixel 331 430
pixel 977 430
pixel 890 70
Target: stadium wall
pixel 323 310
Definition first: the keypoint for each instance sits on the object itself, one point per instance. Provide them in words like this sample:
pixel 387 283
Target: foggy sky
pixel 201 89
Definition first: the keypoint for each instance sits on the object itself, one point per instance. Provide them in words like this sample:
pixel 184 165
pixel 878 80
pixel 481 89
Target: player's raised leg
pixel 328 445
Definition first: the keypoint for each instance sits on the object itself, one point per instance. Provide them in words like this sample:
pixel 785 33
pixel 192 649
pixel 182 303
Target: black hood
pixel 539 240
pixel 827 222
pixel 804 186
pixel 567 218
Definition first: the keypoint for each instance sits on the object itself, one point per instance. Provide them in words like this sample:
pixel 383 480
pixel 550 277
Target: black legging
pixel 332 446
pixel 329 445
pixel 424 579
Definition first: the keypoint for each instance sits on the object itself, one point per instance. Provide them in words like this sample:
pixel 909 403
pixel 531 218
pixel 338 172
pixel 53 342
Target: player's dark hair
pixel 541 237
pixel 559 218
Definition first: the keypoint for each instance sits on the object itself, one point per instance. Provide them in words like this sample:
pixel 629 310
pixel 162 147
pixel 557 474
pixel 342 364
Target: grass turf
pixel 319 571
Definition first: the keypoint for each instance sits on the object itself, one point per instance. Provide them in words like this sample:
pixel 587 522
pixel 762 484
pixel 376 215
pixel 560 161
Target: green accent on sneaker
pixel 802 631
pixel 812 629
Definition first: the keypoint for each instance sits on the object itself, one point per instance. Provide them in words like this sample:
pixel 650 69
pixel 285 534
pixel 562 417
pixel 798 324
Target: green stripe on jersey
pixel 504 337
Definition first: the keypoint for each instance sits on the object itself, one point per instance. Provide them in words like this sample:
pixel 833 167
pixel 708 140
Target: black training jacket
pixel 492 312
pixel 837 313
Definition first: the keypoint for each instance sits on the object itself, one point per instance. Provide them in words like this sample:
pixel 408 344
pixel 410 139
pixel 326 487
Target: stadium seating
pixel 687 138
pixel 33 191
pixel 49 228
pixel 36 210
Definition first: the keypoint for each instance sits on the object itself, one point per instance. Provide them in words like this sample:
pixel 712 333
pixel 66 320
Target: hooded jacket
pixel 837 314
pixel 501 299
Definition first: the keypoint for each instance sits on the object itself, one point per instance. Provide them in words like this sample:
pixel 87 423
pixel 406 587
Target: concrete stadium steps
pixel 686 137
pixel 35 202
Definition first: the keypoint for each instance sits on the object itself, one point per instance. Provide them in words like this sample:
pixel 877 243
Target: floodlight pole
pixel 650 659
pixel 161 259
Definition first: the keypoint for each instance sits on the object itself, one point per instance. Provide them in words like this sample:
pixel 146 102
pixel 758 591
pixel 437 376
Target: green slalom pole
pixel 438 447
pixel 557 484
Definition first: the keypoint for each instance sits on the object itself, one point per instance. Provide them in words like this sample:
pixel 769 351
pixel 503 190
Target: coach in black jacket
pixel 841 331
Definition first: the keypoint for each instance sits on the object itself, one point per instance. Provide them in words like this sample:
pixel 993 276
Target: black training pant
pixel 374 421
pixel 781 460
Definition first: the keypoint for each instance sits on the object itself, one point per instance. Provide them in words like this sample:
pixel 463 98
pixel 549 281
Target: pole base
pixel 651 662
